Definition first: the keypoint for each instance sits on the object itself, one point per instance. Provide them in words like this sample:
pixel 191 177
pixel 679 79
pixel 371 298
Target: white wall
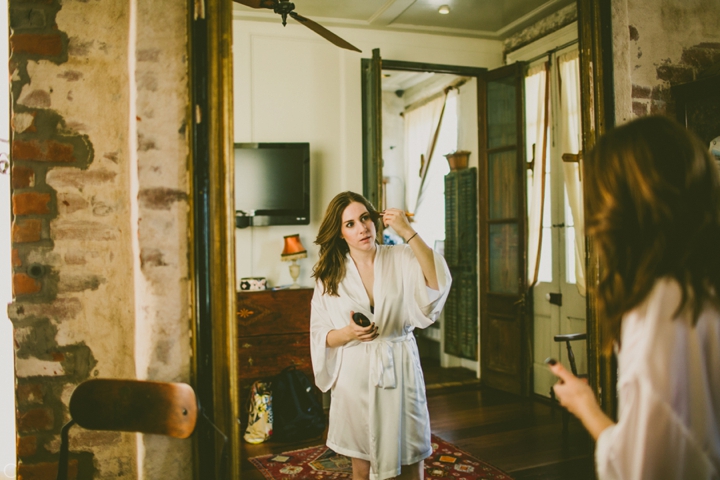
pixel 7 365
pixel 291 85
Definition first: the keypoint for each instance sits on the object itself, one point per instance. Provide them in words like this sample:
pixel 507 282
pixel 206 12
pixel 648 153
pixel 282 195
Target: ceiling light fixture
pixel 444 10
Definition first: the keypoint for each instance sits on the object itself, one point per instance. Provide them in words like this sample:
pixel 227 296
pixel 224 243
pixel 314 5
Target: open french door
pixel 505 331
pixel 559 300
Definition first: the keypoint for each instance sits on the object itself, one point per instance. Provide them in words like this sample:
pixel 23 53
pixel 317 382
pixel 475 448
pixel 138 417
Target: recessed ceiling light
pixel 444 10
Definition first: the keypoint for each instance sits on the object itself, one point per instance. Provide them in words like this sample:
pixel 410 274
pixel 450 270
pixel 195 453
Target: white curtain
pixel 420 126
pixel 569 139
pixel 536 109
pixel 429 220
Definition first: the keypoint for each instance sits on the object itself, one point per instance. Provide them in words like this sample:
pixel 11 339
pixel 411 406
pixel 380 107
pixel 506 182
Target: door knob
pixel 554 298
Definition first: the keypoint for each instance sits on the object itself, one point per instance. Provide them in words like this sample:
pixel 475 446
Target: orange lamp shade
pixel 293 249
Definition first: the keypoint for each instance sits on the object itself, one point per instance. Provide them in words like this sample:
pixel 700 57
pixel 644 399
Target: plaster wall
pixel 292 85
pixel 162 281
pixel 100 271
pixel 657 45
pixel 542 28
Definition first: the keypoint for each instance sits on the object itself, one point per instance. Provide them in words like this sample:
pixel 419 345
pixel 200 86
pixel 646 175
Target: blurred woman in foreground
pixel 653 209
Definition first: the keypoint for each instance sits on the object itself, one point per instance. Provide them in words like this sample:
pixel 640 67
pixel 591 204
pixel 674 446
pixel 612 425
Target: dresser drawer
pixel 272 312
pixel 266 356
pixel 273 333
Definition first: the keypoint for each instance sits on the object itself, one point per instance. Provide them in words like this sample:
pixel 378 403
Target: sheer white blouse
pixel 668 393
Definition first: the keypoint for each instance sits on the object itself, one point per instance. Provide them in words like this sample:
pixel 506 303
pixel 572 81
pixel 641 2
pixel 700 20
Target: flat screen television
pixel 272 184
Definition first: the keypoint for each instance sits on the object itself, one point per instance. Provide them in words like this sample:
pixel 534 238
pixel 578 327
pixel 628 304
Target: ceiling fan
pixel 285 8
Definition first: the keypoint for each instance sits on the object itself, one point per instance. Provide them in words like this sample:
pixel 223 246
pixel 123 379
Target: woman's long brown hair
pixel 330 268
pixel 653 209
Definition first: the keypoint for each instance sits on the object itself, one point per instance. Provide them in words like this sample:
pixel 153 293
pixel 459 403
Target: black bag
pixel 297 414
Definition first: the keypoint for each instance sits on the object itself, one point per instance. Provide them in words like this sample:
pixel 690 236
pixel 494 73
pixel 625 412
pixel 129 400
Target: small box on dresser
pixel 273 328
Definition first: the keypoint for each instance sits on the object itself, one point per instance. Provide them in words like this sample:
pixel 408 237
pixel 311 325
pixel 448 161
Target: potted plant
pixel 458 160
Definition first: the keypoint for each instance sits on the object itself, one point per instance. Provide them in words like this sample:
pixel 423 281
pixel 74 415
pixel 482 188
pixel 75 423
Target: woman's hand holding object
pixel 363 334
pixel 398 220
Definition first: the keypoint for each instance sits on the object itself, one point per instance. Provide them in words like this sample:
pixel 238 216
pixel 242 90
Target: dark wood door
pixel 372 128
pixel 505 334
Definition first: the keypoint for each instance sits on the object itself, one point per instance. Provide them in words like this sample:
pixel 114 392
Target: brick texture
pixel 35 420
pixel 31 203
pixel 29 394
pixel 46 471
pixel 50 45
pixel 43 151
pixel 658 99
pixel 27 230
pixel 22 177
pixel 16 260
pixel 25 285
pixel 43 143
pixel 26 446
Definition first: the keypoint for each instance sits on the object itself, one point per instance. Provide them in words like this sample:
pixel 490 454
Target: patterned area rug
pixel 320 463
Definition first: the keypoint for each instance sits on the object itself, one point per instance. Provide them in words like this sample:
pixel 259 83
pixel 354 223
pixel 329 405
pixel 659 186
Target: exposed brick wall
pixel 99 185
pixel 657 46
pixel 44 144
pixel 657 100
pixel 41 142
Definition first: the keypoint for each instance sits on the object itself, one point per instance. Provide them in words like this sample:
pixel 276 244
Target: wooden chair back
pixel 135 406
pixel 130 406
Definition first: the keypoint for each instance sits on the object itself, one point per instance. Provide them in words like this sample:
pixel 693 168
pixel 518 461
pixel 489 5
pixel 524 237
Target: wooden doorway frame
pixel 214 372
pixel 372 113
pixel 597 104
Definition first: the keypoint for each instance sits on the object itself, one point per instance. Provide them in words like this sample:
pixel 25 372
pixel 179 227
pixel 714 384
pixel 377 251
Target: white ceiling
pixel 495 19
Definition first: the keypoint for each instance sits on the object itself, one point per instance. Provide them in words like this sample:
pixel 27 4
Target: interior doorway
pixel 425 116
pixel 413 115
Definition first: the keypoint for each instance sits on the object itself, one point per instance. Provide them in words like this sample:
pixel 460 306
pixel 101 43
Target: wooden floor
pixel 521 436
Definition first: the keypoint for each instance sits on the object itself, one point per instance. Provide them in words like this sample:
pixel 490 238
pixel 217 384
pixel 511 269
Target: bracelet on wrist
pixel 408 240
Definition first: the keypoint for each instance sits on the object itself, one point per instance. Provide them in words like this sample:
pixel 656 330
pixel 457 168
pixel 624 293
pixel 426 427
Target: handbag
pixel 297 412
pixel 260 416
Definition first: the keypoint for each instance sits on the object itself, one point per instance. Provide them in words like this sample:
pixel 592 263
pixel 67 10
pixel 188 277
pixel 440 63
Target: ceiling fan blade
pixel 324 32
pixel 258 3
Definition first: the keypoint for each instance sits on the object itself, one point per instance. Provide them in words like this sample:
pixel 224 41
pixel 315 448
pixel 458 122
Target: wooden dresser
pixel 273 328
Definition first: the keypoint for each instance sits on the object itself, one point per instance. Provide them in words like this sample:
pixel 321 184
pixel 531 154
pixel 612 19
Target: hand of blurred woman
pixel 576 395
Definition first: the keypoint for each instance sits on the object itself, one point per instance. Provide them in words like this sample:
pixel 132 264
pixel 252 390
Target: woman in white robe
pixel 378 409
pixel 653 203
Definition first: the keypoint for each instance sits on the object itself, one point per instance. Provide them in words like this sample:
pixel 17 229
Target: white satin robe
pixel 378 410
pixel 668 394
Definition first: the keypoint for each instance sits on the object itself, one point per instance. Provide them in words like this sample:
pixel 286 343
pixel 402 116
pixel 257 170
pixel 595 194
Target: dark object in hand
pixel 361 319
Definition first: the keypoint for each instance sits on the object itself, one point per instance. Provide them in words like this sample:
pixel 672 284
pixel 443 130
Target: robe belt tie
pixel 382 366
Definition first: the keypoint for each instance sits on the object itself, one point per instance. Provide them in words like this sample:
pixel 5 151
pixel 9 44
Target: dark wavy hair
pixel 653 210
pixel 330 268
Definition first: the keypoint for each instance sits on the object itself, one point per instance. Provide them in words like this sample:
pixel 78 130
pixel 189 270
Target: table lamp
pixel 294 251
